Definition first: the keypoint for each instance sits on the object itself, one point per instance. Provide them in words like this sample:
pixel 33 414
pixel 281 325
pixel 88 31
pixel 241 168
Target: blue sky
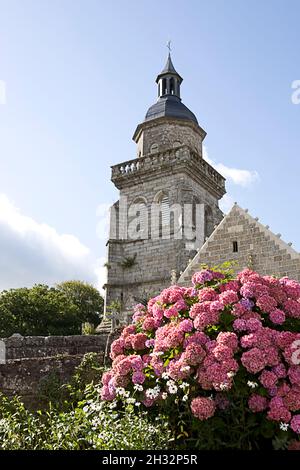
pixel 79 76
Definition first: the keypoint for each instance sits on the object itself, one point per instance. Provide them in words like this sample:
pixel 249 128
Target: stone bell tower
pixel 168 200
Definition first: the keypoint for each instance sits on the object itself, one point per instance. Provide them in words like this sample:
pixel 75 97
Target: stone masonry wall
pixel 24 377
pixel 21 347
pixel 168 134
pixel 155 258
pixel 33 359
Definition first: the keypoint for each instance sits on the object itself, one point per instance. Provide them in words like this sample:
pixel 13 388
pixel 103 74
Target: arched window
pixel 163 213
pixel 138 219
pixel 172 86
pixel 164 86
pixel 165 210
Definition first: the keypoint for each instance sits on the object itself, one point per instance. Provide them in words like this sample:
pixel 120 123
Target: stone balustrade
pixel 156 161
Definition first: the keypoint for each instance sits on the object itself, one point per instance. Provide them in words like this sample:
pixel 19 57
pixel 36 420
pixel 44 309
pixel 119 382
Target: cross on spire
pixel 169 46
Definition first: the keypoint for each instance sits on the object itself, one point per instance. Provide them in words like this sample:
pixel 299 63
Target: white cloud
pixel 101 274
pixel 226 203
pixel 33 252
pixel 240 177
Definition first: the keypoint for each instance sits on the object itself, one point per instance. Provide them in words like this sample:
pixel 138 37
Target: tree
pixel 43 310
pixel 7 322
pixel 86 297
pixel 40 310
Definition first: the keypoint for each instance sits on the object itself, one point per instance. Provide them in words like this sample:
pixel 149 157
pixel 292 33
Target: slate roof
pixel 170 106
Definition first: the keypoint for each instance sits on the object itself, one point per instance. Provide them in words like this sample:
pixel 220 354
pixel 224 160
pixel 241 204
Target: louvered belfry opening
pixel 164 216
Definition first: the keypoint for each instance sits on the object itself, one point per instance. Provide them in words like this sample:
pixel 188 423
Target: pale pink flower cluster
pixel 206 275
pixel 211 336
pixel 257 403
pixel 270 354
pixel 203 408
pixel 217 370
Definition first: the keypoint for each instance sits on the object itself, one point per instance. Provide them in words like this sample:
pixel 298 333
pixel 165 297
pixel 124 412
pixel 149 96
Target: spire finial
pixel 169 80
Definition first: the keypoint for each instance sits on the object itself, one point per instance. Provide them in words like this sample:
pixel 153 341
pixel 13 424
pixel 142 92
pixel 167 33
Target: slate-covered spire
pixel 169 101
pixel 169 67
pixel 169 80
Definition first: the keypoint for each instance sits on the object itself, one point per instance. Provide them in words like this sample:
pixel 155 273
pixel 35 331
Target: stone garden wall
pixel 32 360
pixel 19 347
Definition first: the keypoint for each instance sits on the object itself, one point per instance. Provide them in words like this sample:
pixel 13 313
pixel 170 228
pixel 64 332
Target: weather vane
pixel 169 45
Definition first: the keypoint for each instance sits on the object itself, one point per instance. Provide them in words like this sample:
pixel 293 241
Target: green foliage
pixel 227 268
pixel 77 419
pixel 114 307
pixel 113 311
pixel 43 310
pixel 87 374
pixel 53 392
pixel 40 310
pixel 88 328
pixel 90 425
pixel 247 431
pixel 86 297
pixel 50 389
pixel 128 261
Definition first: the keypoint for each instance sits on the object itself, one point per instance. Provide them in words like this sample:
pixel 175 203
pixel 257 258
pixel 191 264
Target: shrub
pixel 86 374
pixel 52 392
pixel 43 310
pixel 91 425
pixel 220 354
pixel 86 297
pixel 39 310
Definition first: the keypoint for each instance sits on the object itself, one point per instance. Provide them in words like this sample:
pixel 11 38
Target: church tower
pixel 168 201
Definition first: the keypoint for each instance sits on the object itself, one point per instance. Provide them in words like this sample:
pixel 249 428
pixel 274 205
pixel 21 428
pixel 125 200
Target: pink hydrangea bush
pixel 198 347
